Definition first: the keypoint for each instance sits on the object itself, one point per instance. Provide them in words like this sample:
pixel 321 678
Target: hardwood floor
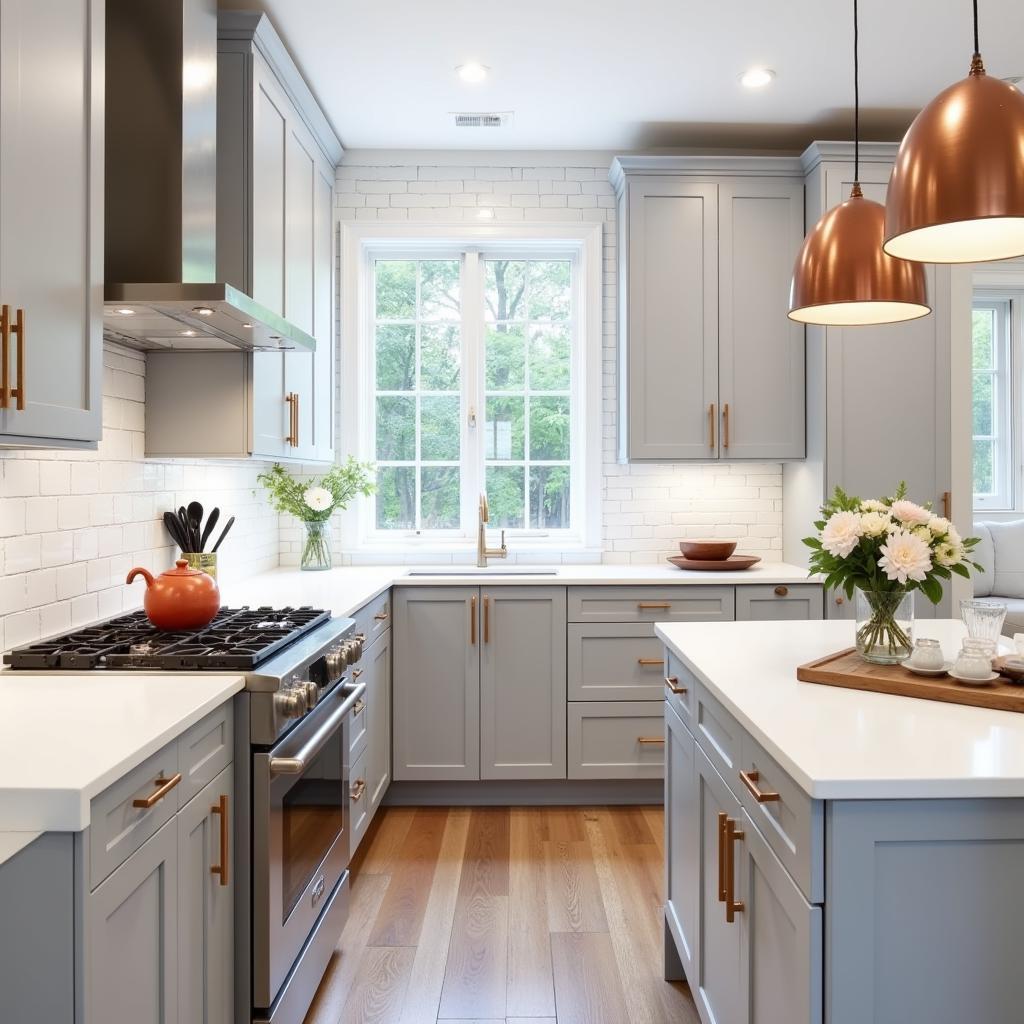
pixel 497 915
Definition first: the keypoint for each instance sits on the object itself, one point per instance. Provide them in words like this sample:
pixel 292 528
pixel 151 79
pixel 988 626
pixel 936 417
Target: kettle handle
pixel 144 573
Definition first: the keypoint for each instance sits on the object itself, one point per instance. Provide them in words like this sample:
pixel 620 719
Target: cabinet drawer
pixel 205 750
pixel 359 803
pixel 719 735
pixel 358 721
pixel 117 828
pixel 679 678
pixel 615 662
pixel 605 740
pixel 790 821
pixel 374 617
pixel 652 604
pixel 784 601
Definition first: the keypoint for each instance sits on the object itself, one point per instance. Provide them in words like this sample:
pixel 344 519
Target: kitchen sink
pixel 473 570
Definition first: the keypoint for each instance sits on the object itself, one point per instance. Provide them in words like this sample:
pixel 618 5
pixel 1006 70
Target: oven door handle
pixel 300 762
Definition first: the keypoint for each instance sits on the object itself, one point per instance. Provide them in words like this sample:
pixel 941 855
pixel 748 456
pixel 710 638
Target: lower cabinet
pixel 377 660
pixel 682 846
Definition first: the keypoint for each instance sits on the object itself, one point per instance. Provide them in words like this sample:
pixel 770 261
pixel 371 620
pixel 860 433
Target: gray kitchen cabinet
pixel 276 156
pixel 609 661
pixel 783 601
pixel 51 220
pixel 682 846
pixel 620 739
pixel 377 660
pixel 436 683
pixel 710 365
pixel 522 683
pixel 131 937
pixel 206 904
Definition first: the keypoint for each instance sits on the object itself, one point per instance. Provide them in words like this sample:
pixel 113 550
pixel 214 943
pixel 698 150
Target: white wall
pixel 645 508
pixel 73 523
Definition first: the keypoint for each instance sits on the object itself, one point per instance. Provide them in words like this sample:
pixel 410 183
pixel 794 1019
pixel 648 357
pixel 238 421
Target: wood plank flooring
pixel 497 915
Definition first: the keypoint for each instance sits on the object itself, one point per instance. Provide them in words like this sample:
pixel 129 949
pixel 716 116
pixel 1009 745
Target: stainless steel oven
pixel 300 838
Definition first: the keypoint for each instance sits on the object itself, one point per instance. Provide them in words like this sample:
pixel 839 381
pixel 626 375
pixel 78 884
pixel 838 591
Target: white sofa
pixel 1001 552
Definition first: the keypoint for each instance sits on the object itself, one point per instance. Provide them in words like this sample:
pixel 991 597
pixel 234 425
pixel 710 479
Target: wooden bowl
pixel 707 550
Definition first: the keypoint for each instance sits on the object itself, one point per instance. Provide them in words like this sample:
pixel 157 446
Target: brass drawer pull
pixel 650 739
pixel 472 620
pixel 672 682
pixel 360 705
pixel 711 425
pixel 645 605
pixel 725 425
pixel 839 600
pixel 762 796
pixel 358 788
pixel 945 503
pixel 722 818
pixel 164 786
pixel 381 615
pixel 733 835
pixel 487 620
pixel 650 661
pixel 221 808
pixel 781 591
pixel 292 399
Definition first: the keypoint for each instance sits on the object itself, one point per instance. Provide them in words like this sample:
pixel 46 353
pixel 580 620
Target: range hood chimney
pixel 160 253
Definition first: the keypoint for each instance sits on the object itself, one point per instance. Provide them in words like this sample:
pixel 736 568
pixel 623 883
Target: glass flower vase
pixel 885 624
pixel 316 549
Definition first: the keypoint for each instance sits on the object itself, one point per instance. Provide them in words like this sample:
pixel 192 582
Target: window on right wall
pixel 995 399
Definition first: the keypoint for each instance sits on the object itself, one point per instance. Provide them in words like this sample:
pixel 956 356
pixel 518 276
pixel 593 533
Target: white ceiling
pixel 631 74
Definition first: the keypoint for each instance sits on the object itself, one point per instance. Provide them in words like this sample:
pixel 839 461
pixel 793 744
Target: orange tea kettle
pixel 180 598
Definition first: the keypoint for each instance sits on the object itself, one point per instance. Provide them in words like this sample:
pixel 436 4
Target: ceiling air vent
pixel 483 120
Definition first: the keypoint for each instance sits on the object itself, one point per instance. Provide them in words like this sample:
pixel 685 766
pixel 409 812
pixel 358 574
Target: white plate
pixel 975 681
pixel 927 671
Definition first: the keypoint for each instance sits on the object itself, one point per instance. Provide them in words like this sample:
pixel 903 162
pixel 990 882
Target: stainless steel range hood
pixel 162 288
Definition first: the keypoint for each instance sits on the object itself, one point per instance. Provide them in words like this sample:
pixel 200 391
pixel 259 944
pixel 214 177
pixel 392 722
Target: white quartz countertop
pixel 346 589
pixel 850 744
pixel 66 737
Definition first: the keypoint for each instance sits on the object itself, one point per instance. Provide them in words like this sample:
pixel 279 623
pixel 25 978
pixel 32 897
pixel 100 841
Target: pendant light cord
pixel 856 96
pixel 977 50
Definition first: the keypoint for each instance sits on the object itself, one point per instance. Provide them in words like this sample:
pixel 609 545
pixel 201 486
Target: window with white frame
pixel 993 399
pixel 473 360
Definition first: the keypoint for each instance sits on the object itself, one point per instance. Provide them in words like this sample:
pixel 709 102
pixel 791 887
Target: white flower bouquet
pixel 315 501
pixel 885 549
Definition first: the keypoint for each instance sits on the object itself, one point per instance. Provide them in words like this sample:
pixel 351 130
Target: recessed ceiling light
pixel 472 72
pixel 126 312
pixel 247 325
pixel 202 310
pixel 485 213
pixel 756 78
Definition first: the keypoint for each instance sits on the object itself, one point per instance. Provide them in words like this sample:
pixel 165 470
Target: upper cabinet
pixel 51 222
pixel 711 367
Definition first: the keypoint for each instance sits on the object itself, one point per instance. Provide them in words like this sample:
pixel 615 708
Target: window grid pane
pixel 992 444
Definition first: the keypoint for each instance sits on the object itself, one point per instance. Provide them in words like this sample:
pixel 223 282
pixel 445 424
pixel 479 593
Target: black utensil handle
pixel 224 533
pixel 208 529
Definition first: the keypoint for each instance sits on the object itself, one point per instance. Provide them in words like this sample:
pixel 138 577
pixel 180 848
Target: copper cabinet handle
pixel 725 425
pixel 781 591
pixel 359 707
pixel 672 682
pixel 645 605
pixel 5 355
pixel 650 739
pixel 472 620
pixel 840 600
pixel 762 796
pixel 18 391
pixel 358 788
pixel 356 673
pixel 650 661
pixel 293 419
pixel 164 786
pixel 733 835
pixel 711 425
pixel 221 869
pixel 722 819
pixel 381 615
pixel 487 620
pixel 945 503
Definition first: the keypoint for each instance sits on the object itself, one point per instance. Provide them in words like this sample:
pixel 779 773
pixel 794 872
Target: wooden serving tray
pixel 847 668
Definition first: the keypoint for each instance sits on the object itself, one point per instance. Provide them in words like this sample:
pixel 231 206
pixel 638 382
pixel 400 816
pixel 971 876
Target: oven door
pixel 300 836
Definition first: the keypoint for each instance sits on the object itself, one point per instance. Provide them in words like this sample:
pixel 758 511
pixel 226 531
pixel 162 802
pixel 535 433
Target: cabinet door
pixel 522 683
pixel 782 937
pixel 719 942
pixel 51 213
pixel 761 351
pixel 270 411
pixel 131 956
pixel 671 350
pixel 322 428
pixel 682 845
pixel 206 905
pixel 784 602
pixel 269 163
pixel 437 683
pixel 378 743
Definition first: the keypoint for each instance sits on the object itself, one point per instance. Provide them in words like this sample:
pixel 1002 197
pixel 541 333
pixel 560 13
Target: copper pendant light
pixel 842 277
pixel 957 190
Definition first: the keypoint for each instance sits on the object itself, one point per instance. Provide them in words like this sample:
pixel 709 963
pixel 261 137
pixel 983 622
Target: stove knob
pixel 290 703
pixel 353 651
pixel 335 659
pixel 310 693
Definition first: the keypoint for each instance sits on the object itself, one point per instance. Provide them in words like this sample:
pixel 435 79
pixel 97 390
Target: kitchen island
pixel 836 855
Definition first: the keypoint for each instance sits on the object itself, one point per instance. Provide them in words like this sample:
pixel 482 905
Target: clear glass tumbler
pixel 983 619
